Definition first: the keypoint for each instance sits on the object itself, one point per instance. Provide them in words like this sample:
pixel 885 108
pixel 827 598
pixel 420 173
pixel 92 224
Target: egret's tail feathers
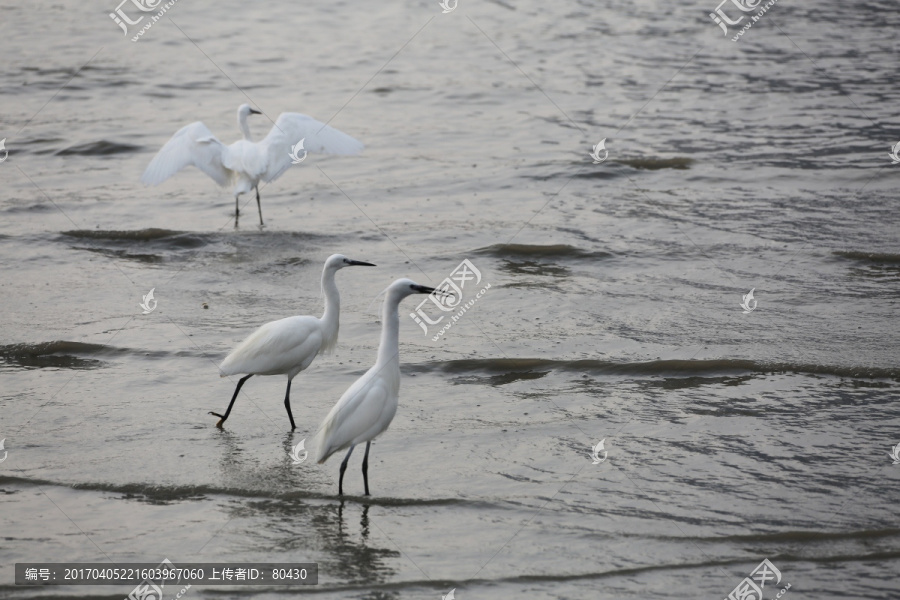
pixel 226 368
pixel 321 442
pixel 322 450
pixel 236 360
pixel 323 457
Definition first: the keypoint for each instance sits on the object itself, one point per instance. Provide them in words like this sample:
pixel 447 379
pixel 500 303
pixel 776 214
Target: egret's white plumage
pixel 368 406
pixel 245 163
pixel 288 346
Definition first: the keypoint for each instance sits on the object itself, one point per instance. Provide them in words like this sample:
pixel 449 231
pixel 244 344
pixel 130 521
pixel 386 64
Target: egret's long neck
pixel 245 129
pixel 389 347
pixel 331 318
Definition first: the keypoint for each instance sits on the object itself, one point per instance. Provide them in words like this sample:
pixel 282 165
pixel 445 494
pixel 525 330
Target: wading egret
pixel 288 346
pixel 245 163
pixel 368 406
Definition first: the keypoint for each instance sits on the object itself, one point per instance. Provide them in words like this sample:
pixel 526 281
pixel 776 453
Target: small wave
pixel 812 536
pixel 167 237
pixel 172 493
pixel 536 250
pixel 154 245
pixel 654 164
pixel 39 141
pixel 59 354
pixel 196 84
pixel 644 164
pixel 64 354
pixel 394 588
pixel 875 257
pixel 507 367
pixel 282 267
pixel 700 566
pixel 101 148
pixel 32 208
pixel 187 239
pixel 139 234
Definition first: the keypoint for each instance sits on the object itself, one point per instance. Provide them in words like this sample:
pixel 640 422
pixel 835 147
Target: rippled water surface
pixel 613 311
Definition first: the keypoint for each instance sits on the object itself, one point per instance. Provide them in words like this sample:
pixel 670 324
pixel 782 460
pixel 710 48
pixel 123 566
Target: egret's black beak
pixel 359 263
pixel 423 289
pixel 255 112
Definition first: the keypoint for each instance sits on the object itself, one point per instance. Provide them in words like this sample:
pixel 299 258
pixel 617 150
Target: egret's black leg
pixel 366 467
pixel 287 404
pixel 344 468
pixel 258 205
pixel 237 210
pixel 230 404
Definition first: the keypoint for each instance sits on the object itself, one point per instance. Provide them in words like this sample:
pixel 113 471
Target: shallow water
pixel 613 314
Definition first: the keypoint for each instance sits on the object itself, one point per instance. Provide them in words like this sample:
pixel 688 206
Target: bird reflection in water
pixel 360 562
pixel 294 525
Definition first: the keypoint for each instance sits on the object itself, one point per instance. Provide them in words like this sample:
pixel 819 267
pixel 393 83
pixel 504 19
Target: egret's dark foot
pixel 221 419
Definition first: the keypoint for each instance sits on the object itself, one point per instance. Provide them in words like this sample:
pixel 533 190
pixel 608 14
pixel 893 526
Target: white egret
pixel 288 346
pixel 245 163
pixel 368 406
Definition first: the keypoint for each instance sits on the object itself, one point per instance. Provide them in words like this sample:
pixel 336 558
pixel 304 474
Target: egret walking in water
pixel 288 346
pixel 245 163
pixel 368 406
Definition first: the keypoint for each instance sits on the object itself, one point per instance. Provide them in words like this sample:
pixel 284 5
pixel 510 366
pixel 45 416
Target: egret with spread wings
pixel 245 163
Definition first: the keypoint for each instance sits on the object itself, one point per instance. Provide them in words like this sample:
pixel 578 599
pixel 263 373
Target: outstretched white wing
pixel 289 129
pixel 192 145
